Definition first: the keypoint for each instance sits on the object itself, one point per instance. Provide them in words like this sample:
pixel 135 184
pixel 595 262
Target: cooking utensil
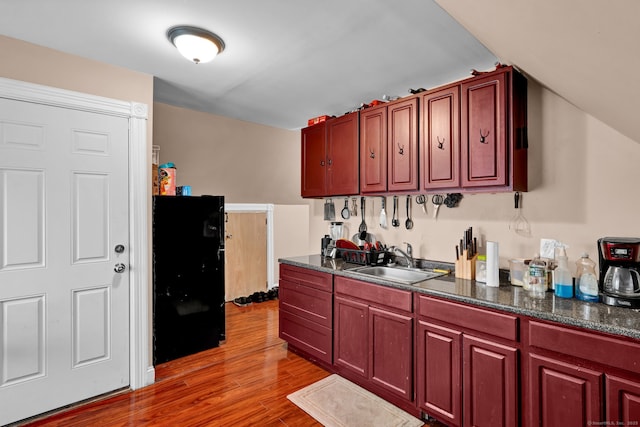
pixel 383 213
pixel 437 200
pixel 363 225
pixel 370 238
pixel 394 221
pixel 345 211
pixel 422 201
pixel 354 206
pixel 326 210
pixel 409 222
pixel 519 223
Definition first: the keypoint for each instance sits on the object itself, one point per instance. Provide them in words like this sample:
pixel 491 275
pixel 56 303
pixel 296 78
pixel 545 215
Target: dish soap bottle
pixel 586 279
pixel 562 280
pixel 538 277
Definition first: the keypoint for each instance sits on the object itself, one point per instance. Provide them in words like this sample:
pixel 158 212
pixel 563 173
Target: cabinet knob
pixel 321 162
pixel 441 143
pixel 372 154
pixel 329 162
pixel 401 149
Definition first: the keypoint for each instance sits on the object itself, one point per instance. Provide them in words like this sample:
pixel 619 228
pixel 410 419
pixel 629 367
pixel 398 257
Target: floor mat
pixel 337 402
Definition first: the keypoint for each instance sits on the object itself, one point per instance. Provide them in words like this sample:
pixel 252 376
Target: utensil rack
pixel 365 257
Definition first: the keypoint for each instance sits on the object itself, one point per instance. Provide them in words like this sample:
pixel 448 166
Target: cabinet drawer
pixel 377 294
pixel 314 339
pixel 585 345
pixel 305 276
pixel 306 302
pixel 478 319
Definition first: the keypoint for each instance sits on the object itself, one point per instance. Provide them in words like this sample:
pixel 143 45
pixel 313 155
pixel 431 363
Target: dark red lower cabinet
pixel 350 347
pixel 622 400
pixel 438 372
pixel 563 394
pixel 391 336
pixel 490 383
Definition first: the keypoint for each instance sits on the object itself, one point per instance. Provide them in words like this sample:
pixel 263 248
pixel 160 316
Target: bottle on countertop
pixel 538 277
pixel 586 279
pixel 562 280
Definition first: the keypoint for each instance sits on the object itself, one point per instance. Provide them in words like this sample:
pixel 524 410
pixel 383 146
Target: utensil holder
pixel 466 268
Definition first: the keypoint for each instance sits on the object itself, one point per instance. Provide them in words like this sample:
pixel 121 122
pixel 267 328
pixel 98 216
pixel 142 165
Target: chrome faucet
pixel 408 255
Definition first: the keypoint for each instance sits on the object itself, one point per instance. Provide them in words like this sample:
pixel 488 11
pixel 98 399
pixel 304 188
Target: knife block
pixel 466 268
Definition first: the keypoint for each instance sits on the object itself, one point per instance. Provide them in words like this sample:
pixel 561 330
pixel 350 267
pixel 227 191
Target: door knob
pixel 119 249
pixel 119 268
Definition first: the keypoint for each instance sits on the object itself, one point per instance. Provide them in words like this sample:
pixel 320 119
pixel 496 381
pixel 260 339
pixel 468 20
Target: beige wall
pixel 27 62
pixel 245 162
pixel 583 178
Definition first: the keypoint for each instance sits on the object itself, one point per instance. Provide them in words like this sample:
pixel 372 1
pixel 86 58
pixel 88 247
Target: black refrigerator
pixel 188 275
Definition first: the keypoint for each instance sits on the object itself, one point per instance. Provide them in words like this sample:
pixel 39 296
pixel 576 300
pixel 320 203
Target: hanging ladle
pixel 363 225
pixel 409 222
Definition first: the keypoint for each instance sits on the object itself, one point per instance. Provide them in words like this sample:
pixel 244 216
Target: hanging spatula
pixel 383 213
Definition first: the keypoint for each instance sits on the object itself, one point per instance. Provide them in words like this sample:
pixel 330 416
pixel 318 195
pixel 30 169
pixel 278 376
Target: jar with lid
pixel 586 279
pixel 538 277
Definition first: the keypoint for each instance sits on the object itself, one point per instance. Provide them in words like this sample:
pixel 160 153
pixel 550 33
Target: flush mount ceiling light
pixel 195 44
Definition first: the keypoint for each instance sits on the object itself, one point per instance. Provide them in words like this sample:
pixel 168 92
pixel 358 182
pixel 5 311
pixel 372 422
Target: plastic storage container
pixel 586 279
pixel 517 267
pixel 481 269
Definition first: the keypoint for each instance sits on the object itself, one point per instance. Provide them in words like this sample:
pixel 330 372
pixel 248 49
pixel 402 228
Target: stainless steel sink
pixel 397 274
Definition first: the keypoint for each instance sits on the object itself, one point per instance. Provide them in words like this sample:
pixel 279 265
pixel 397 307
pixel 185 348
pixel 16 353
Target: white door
pixel 64 311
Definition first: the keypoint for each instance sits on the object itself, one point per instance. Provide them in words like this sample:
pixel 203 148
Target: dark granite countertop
pixel 508 298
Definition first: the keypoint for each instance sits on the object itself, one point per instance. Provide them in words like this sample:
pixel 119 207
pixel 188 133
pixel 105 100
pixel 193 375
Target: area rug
pixel 337 402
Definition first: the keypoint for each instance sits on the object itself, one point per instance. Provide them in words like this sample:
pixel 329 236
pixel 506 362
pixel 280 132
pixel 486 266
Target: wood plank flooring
pixel 244 382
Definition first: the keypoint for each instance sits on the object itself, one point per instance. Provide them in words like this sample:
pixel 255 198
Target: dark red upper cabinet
pixel 373 150
pixel 314 163
pixel 330 157
pixel 342 155
pixel 493 131
pixel 440 124
pixel 403 145
pixel 389 147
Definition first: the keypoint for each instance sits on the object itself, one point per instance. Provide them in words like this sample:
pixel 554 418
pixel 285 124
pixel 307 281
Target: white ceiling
pixel 285 60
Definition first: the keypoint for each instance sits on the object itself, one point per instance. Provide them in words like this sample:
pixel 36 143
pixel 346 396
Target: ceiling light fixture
pixel 195 44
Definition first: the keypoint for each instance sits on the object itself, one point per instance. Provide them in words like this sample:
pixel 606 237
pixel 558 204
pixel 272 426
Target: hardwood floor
pixel 244 382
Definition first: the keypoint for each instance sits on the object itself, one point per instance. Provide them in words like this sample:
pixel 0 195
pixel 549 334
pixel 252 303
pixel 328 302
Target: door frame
pixel 268 209
pixel 141 371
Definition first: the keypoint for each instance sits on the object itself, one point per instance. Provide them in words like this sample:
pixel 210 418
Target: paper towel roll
pixel 493 258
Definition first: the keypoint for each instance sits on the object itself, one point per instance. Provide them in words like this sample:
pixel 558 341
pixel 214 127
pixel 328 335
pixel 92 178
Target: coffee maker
pixel 619 283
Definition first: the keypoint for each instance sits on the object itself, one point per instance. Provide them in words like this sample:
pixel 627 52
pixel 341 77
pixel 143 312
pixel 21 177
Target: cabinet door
pixel 563 394
pixel 622 400
pixel 438 372
pixel 373 150
pixel 391 338
pixel 342 155
pixel 314 166
pixel 350 346
pixel 490 377
pixel 441 138
pixel 484 138
pixel 402 147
